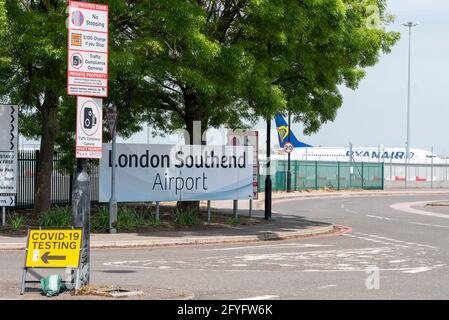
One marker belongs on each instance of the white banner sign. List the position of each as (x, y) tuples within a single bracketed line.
[(89, 127), (177, 173), (8, 153)]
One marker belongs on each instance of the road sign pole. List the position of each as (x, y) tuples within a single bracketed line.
[(268, 183), (3, 216), (289, 173), (113, 201), (81, 215)]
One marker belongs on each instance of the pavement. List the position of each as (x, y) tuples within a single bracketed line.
[(282, 227), (277, 229)]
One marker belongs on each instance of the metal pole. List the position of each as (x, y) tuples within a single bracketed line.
[(268, 183), (112, 228), (209, 216), (350, 165), (3, 216), (158, 210), (81, 215), (289, 173), (407, 143), (250, 211), (235, 209), (431, 168)]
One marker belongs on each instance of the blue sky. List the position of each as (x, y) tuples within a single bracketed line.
[(375, 114)]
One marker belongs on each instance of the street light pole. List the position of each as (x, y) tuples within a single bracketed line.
[(409, 25)]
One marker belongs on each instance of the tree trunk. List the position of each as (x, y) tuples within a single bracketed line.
[(42, 193), (193, 112)]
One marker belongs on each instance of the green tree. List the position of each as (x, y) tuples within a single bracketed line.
[(224, 62), (172, 62)]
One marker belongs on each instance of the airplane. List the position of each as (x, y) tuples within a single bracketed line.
[(304, 151)]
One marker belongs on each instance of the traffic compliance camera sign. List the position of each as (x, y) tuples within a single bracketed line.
[(87, 49), (89, 127)]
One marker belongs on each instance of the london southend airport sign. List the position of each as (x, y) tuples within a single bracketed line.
[(178, 172)]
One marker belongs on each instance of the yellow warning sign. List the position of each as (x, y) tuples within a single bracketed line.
[(53, 248)]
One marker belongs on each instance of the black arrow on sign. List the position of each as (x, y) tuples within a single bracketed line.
[(12, 200), (46, 256)]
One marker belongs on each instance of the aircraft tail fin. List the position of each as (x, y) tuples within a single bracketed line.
[(284, 131)]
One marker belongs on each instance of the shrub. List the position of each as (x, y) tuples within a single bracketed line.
[(56, 217), (16, 222), (100, 220), (128, 218), (186, 217)]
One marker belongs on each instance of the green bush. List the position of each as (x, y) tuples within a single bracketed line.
[(186, 217), (129, 218), (56, 217), (16, 222), (100, 220)]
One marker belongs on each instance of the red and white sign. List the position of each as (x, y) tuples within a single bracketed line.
[(89, 127), (288, 147), (87, 49), (248, 138)]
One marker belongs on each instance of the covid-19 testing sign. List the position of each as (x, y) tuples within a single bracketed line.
[(178, 173)]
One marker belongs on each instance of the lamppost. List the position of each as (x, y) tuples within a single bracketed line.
[(409, 25)]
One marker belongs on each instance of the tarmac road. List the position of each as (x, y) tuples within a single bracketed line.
[(391, 253)]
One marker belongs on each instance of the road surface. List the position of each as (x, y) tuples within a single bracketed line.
[(397, 249)]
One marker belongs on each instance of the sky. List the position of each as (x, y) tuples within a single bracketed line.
[(375, 113)]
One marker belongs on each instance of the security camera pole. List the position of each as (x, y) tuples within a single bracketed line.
[(89, 90)]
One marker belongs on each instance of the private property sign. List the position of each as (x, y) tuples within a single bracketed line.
[(53, 248), (8, 154), (178, 172), (87, 49)]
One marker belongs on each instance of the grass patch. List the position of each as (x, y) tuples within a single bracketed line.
[(186, 217), (234, 221)]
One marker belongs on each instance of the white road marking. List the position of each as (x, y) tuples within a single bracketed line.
[(284, 245), (328, 286), (240, 265), (429, 225), (377, 217), (266, 297), (396, 241), (374, 240), (407, 207), (351, 211), (417, 270)]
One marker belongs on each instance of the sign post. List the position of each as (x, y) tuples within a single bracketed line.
[(53, 248), (8, 157), (112, 123), (87, 77)]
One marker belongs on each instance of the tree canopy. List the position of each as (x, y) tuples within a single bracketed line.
[(221, 62)]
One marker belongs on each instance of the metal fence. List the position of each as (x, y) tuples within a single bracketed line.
[(419, 175), (319, 175), (61, 181)]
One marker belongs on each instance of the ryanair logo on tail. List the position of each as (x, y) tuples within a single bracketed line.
[(283, 132)]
